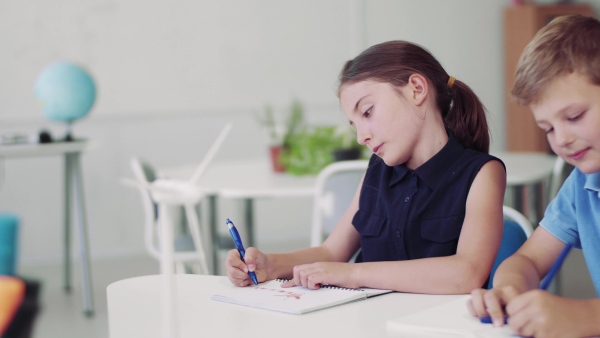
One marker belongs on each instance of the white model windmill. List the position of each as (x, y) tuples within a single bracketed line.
[(168, 192)]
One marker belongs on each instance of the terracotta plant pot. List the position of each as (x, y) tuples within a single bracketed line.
[(275, 152)]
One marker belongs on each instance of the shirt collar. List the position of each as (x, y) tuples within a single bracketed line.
[(592, 182), (432, 171)]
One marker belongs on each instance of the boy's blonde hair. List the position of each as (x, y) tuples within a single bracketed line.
[(568, 44)]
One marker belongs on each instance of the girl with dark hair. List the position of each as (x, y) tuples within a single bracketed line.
[(427, 216)]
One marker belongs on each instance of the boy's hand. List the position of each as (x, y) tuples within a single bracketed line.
[(541, 314), (491, 303), (313, 275), (237, 270)]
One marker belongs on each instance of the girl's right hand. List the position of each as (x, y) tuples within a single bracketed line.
[(237, 270)]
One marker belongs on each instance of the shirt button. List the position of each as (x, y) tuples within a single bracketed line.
[(406, 199), (398, 233)]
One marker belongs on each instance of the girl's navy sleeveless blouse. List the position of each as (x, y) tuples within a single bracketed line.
[(405, 214)]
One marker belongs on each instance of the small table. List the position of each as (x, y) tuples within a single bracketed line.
[(134, 310), (244, 180), (531, 170), (248, 180), (73, 184)]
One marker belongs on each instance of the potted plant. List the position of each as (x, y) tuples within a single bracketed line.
[(315, 147), (280, 134), (309, 150), (347, 147)]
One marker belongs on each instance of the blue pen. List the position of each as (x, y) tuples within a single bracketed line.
[(546, 282), (240, 247)]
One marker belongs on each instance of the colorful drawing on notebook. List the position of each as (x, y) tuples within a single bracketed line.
[(282, 293)]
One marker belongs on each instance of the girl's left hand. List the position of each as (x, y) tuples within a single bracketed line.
[(313, 275)]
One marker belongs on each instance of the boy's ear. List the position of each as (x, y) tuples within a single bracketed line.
[(418, 88)]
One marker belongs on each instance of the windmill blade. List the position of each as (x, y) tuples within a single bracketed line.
[(130, 182), (210, 154), (161, 188), (168, 191)]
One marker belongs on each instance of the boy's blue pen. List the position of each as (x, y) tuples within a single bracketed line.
[(555, 267), (546, 282), (240, 247)]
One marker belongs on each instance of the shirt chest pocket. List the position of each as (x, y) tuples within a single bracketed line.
[(442, 230), (368, 225)]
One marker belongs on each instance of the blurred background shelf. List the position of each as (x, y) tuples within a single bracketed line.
[(521, 23)]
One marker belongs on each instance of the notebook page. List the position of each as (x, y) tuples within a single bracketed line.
[(297, 300), (449, 319)]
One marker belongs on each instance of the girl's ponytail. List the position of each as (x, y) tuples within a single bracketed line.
[(466, 117)]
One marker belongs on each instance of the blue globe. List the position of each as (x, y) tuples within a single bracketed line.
[(66, 90)]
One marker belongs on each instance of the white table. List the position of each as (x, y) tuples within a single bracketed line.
[(73, 184), (246, 181), (523, 168), (532, 171), (134, 311)]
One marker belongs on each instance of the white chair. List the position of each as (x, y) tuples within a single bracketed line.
[(186, 254), (335, 187), (560, 172)]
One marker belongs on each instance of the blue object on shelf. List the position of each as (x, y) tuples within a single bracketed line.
[(66, 90), (9, 229)]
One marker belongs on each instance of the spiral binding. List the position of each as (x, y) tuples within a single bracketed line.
[(326, 286)]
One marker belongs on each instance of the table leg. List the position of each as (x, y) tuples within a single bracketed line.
[(214, 234), (517, 198), (74, 162), (542, 201), (249, 216), (67, 223), (531, 203)]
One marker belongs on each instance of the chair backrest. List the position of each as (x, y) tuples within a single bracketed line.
[(144, 172), (335, 187), (560, 172), (517, 229)]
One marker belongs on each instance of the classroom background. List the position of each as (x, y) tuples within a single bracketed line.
[(169, 75)]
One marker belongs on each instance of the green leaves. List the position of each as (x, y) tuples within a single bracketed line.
[(310, 150)]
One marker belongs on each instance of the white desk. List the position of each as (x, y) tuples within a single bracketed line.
[(523, 168), (531, 171), (73, 184), (246, 181), (134, 311), (251, 179)]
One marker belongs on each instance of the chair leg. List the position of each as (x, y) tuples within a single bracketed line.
[(194, 224)]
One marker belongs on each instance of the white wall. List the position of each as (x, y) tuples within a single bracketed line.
[(464, 35), (170, 74)]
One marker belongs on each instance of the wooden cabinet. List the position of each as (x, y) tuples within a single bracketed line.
[(521, 23)]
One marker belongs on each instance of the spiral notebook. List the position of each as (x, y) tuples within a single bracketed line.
[(451, 319), (296, 300)]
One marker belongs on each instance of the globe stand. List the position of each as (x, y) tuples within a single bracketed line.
[(69, 134)]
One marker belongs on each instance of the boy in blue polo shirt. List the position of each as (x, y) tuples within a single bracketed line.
[(558, 77)]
